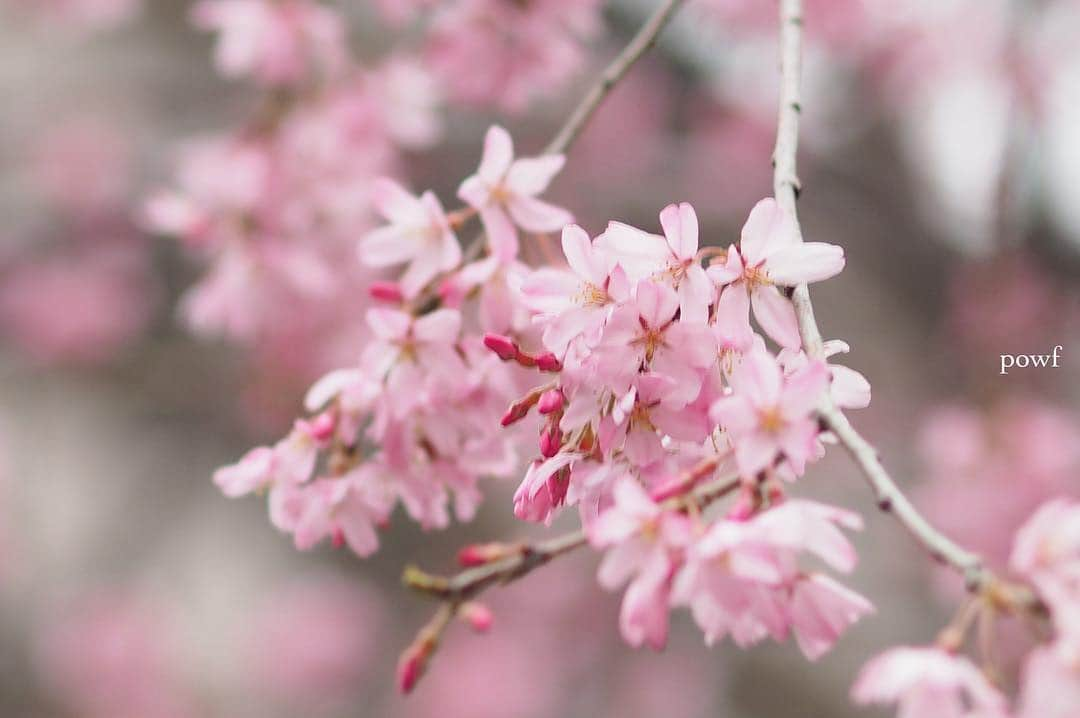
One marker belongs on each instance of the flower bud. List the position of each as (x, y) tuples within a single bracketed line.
[(386, 292), (548, 362), (503, 346), (551, 400), (550, 440), (477, 615)]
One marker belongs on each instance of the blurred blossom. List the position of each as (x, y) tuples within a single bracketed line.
[(99, 300), (111, 654), (507, 54), (83, 166), (312, 644), (1008, 304), (276, 42), (1023, 448)]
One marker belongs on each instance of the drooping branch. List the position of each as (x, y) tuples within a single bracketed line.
[(455, 592), (524, 558), (786, 188)]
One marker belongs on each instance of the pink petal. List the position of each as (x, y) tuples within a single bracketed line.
[(498, 154), (805, 263), (441, 326), (475, 192), (502, 237), (396, 204), (821, 610), (639, 253), (767, 229), (531, 176), (732, 324), (680, 225), (586, 262), (387, 246), (535, 215), (758, 378), (389, 324), (776, 315), (696, 293), (803, 390), (656, 303)]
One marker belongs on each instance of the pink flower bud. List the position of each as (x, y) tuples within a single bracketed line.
[(411, 665), (322, 427), (551, 400), (386, 292), (478, 554), (550, 441), (548, 362), (503, 346), (520, 408), (557, 486), (477, 615)]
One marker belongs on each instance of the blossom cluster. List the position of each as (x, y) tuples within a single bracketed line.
[(649, 365), (938, 681), (417, 419), (506, 54)]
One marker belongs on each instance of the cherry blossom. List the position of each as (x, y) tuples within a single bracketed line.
[(419, 233), (277, 43), (770, 255), (768, 415), (742, 578), (644, 542), (504, 192), (928, 682)]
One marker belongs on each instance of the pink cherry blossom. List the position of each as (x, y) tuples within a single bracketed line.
[(644, 541), (290, 461), (928, 682), (673, 258), (277, 43), (575, 303), (345, 509), (1047, 552), (1051, 685), (770, 255), (419, 233), (504, 191), (742, 578), (508, 54), (770, 416), (848, 388), (644, 333)]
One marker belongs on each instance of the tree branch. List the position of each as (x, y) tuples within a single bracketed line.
[(455, 592), (786, 188)]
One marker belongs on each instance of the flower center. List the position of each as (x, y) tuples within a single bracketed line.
[(771, 420), (591, 295)]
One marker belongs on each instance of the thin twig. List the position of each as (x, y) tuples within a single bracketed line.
[(454, 592), (468, 584), (786, 188)]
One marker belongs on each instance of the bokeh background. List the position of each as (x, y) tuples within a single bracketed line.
[(941, 149)]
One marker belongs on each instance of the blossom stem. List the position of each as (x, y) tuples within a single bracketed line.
[(456, 590), (786, 188)]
